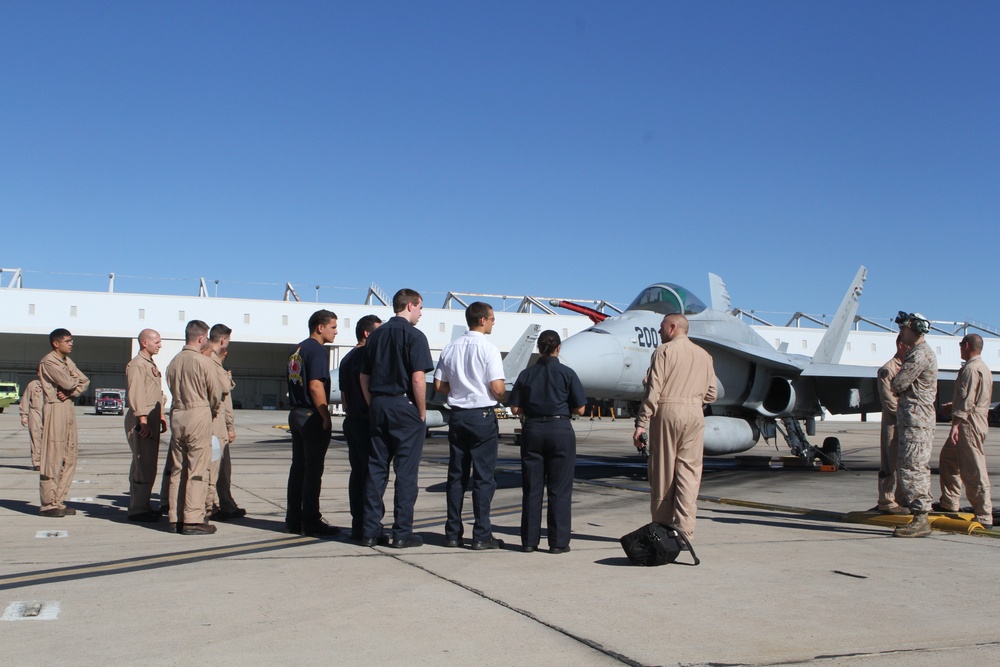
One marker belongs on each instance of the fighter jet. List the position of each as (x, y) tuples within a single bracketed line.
[(761, 390)]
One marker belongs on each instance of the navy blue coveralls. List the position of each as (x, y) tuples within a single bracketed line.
[(357, 432), (393, 353), (546, 393)]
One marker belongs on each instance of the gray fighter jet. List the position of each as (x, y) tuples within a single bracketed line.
[(761, 390)]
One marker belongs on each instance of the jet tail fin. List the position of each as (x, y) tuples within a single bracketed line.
[(520, 354), (831, 348), (720, 297)]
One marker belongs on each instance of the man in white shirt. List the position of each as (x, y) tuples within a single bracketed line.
[(470, 372)]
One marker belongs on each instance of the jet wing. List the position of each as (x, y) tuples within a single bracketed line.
[(752, 353)]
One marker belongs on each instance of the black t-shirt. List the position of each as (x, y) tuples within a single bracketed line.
[(394, 352), (350, 383), (547, 389), (309, 361)]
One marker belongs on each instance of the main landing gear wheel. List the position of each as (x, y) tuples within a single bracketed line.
[(831, 452)]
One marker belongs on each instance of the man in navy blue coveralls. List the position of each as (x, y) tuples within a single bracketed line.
[(394, 381)]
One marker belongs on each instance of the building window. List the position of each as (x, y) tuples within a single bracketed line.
[(874, 348), (72, 311), (180, 315), (848, 346), (777, 343), (284, 320), (805, 345), (246, 318), (441, 327), (31, 309), (142, 313)]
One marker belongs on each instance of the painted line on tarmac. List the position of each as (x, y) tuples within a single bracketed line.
[(141, 563), (589, 643)]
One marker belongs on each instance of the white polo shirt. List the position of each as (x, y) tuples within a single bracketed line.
[(468, 364)]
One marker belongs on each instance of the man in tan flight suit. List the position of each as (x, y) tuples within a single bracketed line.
[(222, 429), (144, 422), (196, 399), (62, 382), (227, 507), (32, 402), (680, 380), (962, 459), (889, 441)]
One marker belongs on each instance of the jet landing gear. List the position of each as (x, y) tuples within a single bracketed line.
[(829, 454)]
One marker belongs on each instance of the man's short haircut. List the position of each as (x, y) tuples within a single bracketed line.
[(366, 325), (59, 334), (476, 311), (404, 297), (218, 332), (680, 320), (974, 341), (193, 330), (319, 318)]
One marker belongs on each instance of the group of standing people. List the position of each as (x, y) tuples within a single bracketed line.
[(196, 479), (908, 388), (384, 387)]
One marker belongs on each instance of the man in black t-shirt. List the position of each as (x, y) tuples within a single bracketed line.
[(309, 423)]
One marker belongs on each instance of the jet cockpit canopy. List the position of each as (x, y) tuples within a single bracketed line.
[(668, 299)]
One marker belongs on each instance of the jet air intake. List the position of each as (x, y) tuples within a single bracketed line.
[(729, 435), (779, 400)]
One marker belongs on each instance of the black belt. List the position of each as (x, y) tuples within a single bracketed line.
[(485, 407), (380, 395), (545, 418)]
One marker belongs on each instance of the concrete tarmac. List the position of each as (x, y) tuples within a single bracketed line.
[(774, 587)]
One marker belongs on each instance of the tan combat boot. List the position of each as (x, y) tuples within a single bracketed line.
[(918, 527)]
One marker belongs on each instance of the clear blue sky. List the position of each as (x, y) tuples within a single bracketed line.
[(570, 149)]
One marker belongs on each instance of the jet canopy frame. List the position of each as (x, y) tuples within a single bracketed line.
[(668, 299)]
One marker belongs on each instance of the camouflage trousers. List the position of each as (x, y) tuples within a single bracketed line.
[(913, 471)]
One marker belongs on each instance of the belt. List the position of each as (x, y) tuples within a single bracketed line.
[(381, 395), (545, 418), (485, 407)]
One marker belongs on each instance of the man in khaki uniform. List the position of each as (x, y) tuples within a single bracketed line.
[(889, 441), (32, 402), (144, 422), (62, 382), (681, 379), (196, 399), (962, 459), (222, 426), (227, 507)]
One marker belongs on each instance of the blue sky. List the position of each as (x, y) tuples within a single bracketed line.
[(561, 149)]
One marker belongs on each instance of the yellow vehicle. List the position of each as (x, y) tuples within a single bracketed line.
[(10, 394)]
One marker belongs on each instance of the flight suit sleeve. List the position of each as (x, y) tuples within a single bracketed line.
[(82, 381), (889, 401), (653, 387), (963, 402), (712, 394), (25, 404)]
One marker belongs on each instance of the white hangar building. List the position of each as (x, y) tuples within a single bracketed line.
[(105, 324)]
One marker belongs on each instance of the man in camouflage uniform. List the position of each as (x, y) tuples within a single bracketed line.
[(962, 458), (915, 385)]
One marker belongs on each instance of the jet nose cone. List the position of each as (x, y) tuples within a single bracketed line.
[(597, 359)]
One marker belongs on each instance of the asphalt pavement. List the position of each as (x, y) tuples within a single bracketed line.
[(782, 579)]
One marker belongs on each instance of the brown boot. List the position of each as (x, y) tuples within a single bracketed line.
[(198, 529), (918, 527)]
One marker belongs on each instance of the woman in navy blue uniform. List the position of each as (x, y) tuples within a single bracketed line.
[(546, 394)]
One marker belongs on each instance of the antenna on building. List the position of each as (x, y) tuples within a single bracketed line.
[(289, 290), (111, 283), (203, 289), (376, 291), (15, 281)]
